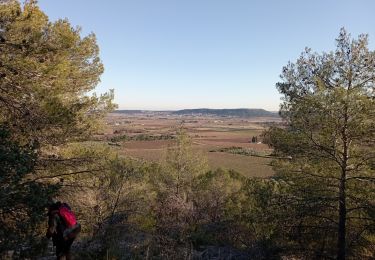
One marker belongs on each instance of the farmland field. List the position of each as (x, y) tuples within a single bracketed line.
[(148, 135)]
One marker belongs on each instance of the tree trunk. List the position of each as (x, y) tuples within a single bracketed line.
[(341, 243)]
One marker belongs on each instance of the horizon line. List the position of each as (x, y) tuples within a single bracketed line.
[(162, 110)]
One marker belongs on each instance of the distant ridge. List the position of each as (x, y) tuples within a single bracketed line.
[(236, 112), (129, 111)]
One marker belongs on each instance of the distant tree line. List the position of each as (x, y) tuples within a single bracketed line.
[(244, 151), (141, 137)]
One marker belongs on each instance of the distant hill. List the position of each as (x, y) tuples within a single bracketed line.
[(237, 112), (130, 111)]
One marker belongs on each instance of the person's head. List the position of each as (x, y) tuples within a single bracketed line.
[(54, 205)]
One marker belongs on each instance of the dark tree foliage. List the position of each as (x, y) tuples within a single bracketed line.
[(47, 74), (22, 202), (328, 146), (47, 71)]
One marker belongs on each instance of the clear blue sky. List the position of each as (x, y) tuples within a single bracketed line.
[(172, 54)]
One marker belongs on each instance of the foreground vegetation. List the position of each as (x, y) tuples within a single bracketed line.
[(318, 205)]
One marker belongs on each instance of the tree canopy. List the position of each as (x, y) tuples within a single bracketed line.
[(47, 74), (47, 71), (328, 138)]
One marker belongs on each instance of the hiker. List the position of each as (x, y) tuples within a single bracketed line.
[(63, 228)]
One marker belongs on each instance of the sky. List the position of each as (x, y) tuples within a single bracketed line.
[(176, 54)]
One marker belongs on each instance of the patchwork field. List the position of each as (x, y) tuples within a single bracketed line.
[(147, 136)]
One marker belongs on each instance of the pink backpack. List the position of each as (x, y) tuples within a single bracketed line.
[(67, 215)]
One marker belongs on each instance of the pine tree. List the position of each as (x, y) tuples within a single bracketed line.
[(47, 72), (328, 140)]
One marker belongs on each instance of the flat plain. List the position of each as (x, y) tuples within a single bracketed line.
[(147, 136)]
